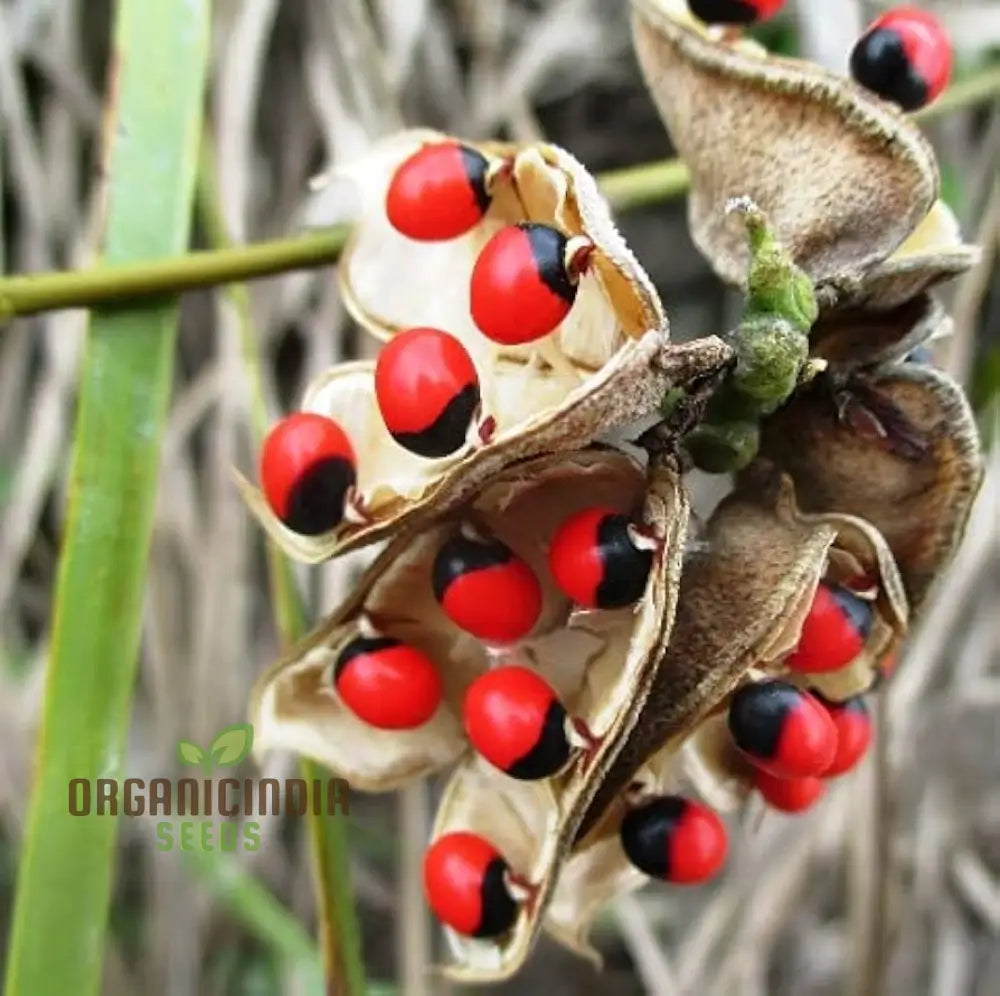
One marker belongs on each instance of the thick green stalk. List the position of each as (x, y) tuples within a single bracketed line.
[(340, 936), (65, 874)]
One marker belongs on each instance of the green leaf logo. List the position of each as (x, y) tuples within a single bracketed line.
[(231, 745), (189, 753)]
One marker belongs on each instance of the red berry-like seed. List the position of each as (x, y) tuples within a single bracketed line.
[(388, 684), (834, 631), (307, 468), (427, 391), (464, 885), (439, 192), (674, 839), (595, 562), (485, 589), (782, 729), (854, 734), (904, 56), (790, 795), (514, 720), (520, 289), (734, 11)]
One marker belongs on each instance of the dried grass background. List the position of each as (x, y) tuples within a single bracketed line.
[(900, 865)]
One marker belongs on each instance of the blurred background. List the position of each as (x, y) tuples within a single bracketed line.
[(298, 86)]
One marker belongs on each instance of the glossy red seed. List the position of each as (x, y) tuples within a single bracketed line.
[(834, 631), (520, 289), (387, 684), (735, 11), (438, 193), (485, 589), (427, 391), (594, 561), (904, 56), (675, 839), (464, 885), (782, 729), (854, 734), (307, 468), (514, 719), (790, 795)]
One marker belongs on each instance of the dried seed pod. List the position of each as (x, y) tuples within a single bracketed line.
[(398, 488), (295, 705), (608, 364), (850, 184), (897, 447), (744, 597), (600, 666)]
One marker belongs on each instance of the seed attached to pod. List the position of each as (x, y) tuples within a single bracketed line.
[(834, 631), (674, 839), (734, 11), (466, 881), (308, 469), (790, 795), (427, 391), (601, 559), (904, 56), (514, 720), (782, 729), (439, 193), (853, 723), (387, 684), (486, 589), (524, 282)]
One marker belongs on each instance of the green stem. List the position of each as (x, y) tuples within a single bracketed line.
[(626, 189), (338, 926)]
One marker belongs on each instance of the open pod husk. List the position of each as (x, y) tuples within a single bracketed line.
[(848, 182), (897, 447), (854, 338), (295, 705), (600, 665), (744, 594), (399, 489)]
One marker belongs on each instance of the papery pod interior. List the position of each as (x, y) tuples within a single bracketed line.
[(896, 446), (745, 592), (855, 338), (607, 365), (295, 704), (601, 665), (849, 183)]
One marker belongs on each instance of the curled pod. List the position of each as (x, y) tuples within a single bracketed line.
[(597, 669), (850, 186), (607, 363)]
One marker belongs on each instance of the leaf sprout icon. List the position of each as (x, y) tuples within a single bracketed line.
[(229, 747)]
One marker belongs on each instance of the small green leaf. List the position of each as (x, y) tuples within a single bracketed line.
[(189, 753), (232, 745)]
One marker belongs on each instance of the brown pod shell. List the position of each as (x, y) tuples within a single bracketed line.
[(534, 823), (536, 415), (294, 705), (745, 593), (897, 447), (848, 182)]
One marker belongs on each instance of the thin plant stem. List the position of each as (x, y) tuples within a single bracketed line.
[(629, 188)]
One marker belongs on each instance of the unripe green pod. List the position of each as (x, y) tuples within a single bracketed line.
[(770, 355)]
